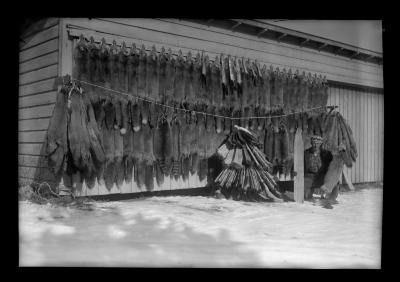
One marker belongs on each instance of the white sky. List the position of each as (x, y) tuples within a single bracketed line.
[(361, 33)]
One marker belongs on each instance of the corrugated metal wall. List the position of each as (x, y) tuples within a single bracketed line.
[(364, 113)]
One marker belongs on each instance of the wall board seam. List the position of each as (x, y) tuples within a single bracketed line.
[(41, 67), (32, 130), (34, 118), (47, 78), (41, 55), (39, 31), (38, 93), (38, 44), (35, 106)]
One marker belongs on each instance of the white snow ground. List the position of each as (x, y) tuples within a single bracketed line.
[(178, 231)]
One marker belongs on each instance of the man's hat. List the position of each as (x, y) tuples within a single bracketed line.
[(316, 138)]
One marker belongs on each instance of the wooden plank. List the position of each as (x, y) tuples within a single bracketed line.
[(373, 134), (32, 161), (31, 136), (371, 139), (66, 48), (365, 137), (349, 116), (40, 74), (36, 112), (40, 37), (335, 98), (37, 87), (39, 62), (39, 26), (215, 47), (377, 156), (381, 134), (378, 140), (33, 124), (353, 125), (332, 96), (38, 99), (30, 149), (358, 136), (342, 107), (39, 50), (361, 135), (350, 99), (299, 167)]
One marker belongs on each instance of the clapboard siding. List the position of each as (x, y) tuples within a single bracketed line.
[(36, 174), (40, 37), (39, 50), (32, 161), (364, 113), (37, 87), (40, 74), (35, 149), (39, 26), (38, 99), (39, 64), (33, 124), (31, 136), (179, 35), (36, 112)]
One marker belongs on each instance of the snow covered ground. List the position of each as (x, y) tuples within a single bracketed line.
[(185, 231)]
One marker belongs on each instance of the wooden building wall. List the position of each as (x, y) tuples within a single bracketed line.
[(38, 67), (47, 53), (185, 35), (364, 112)]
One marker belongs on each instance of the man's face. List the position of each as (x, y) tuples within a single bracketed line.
[(316, 144)]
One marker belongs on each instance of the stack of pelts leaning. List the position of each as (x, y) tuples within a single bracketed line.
[(338, 135), (145, 114), (246, 175)]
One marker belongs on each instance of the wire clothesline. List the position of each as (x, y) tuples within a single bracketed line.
[(198, 112)]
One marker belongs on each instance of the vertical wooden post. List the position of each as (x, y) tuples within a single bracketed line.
[(299, 167)]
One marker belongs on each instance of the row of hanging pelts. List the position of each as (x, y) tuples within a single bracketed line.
[(161, 141), (105, 140), (226, 83)]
